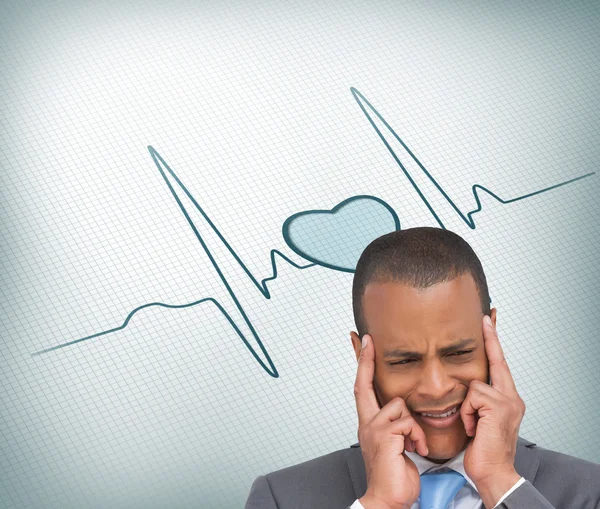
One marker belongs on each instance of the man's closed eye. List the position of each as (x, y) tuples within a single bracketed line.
[(405, 361)]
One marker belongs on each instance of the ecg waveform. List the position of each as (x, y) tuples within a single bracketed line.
[(468, 219), (255, 345)]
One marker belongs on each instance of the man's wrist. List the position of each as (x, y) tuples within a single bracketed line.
[(507, 494), (491, 489)]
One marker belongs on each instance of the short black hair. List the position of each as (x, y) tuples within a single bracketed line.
[(420, 257)]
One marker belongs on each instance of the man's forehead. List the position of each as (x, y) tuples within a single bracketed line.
[(388, 287), (389, 304)]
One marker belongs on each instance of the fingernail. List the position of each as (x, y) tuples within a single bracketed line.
[(488, 320), (365, 340)]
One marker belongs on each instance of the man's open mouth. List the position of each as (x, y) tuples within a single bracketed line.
[(443, 419), (438, 415)]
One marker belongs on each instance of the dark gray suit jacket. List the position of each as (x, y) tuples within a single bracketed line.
[(553, 480)]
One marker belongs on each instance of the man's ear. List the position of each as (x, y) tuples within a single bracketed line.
[(356, 344)]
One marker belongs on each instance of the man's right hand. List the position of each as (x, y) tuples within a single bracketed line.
[(392, 478)]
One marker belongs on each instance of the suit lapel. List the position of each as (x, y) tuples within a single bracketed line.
[(526, 464)]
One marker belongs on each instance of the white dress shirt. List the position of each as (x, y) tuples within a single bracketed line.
[(466, 498)]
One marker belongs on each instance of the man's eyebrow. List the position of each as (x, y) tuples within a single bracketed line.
[(396, 352)]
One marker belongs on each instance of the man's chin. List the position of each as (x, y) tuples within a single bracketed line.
[(441, 452)]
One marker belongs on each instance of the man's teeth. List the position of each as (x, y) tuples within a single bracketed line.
[(439, 416)]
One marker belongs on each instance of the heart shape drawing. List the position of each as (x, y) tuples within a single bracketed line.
[(336, 238)]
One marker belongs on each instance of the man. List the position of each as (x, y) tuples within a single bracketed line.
[(427, 344)]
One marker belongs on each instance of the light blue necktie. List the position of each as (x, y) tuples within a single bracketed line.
[(439, 488)]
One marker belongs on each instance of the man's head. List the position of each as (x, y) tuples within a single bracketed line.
[(423, 291)]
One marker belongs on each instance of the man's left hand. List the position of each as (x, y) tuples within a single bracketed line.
[(492, 414)]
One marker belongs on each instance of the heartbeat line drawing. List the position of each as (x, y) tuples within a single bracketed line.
[(332, 238)]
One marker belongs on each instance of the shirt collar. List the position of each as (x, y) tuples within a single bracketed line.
[(456, 463)]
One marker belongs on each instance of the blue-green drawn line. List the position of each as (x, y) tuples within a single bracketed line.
[(262, 287), (468, 218)]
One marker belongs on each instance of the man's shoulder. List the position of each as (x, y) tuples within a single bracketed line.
[(562, 479), (558, 465), (321, 465), (324, 478)]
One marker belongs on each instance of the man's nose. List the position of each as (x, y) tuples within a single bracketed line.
[(435, 384)]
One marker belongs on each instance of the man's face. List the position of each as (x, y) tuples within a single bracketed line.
[(423, 321)]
